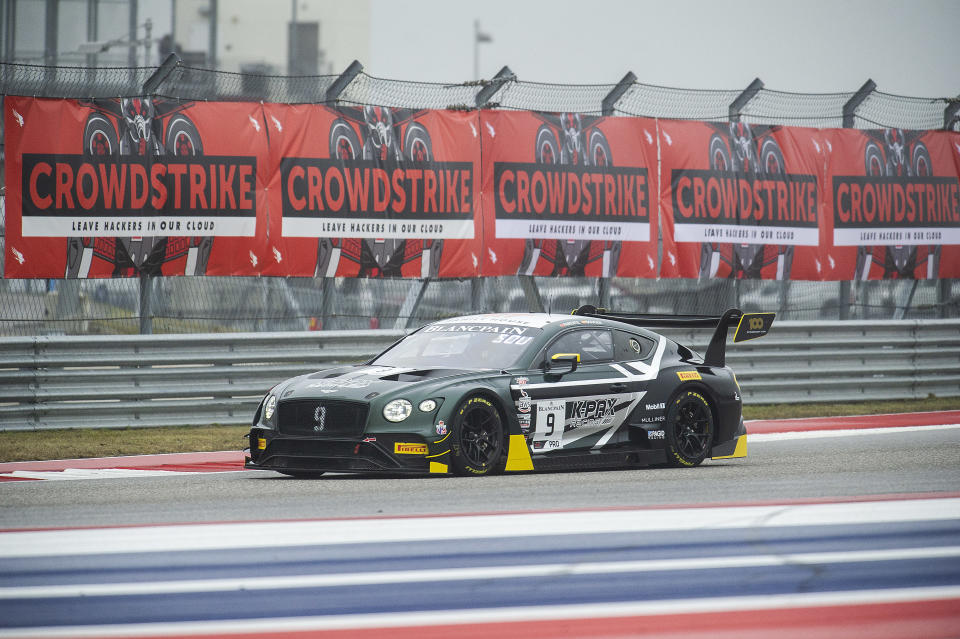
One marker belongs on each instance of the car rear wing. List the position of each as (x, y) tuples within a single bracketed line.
[(749, 326)]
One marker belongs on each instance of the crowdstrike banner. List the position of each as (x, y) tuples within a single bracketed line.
[(123, 187), (894, 205), (79, 196), (568, 194)]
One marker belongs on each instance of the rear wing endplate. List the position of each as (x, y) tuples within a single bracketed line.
[(749, 326)]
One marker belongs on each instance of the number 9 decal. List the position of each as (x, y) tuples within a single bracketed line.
[(551, 416)]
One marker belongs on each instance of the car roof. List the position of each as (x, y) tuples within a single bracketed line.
[(530, 320), (540, 320)]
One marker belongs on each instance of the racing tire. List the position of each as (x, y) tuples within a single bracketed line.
[(873, 161), (344, 142), (920, 160), (689, 427), (599, 149), (417, 146), (547, 149), (182, 137), (719, 154), (771, 158), (478, 441), (100, 136)]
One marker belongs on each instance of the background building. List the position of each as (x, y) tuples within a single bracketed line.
[(300, 37)]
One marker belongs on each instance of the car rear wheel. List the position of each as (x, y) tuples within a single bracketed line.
[(689, 429), (477, 438)]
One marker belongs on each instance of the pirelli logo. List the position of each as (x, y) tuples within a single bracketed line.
[(401, 448), (688, 376)]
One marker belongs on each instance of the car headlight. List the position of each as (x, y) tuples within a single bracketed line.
[(397, 410), (428, 405), (270, 407)]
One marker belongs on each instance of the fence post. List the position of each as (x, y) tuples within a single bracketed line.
[(406, 316), (943, 298), (734, 110), (163, 71), (741, 101), (490, 88), (850, 108), (340, 84), (146, 281), (529, 287), (476, 294), (848, 295), (950, 114), (603, 291), (146, 304), (611, 99)]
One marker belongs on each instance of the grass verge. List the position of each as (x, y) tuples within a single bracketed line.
[(109, 442)]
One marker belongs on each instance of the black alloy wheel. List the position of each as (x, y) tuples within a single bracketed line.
[(478, 433), (689, 429)]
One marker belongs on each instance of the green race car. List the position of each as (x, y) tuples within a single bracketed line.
[(490, 393)]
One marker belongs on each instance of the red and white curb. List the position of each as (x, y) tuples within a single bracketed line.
[(117, 467)]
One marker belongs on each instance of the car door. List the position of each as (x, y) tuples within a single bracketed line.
[(576, 409)]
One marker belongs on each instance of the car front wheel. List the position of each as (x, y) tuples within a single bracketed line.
[(478, 438)]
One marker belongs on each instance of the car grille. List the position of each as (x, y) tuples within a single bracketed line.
[(322, 418)]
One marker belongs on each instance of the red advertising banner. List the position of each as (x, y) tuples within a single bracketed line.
[(568, 194), (117, 188), (740, 200), (894, 206), (112, 188), (373, 192)]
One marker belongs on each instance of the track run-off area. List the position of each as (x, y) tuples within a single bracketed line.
[(839, 527)]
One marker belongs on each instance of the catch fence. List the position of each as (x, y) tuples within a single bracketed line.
[(204, 304)]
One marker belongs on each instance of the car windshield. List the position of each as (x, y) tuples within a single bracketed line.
[(454, 345)]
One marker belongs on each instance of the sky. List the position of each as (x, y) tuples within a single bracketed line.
[(807, 46)]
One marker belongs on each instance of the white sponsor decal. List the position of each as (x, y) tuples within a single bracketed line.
[(376, 229), (743, 234), (880, 236), (138, 226), (536, 229), (551, 417), (509, 319)]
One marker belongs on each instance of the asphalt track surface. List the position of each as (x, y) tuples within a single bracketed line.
[(819, 532)]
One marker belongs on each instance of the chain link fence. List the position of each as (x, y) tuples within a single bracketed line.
[(211, 304)]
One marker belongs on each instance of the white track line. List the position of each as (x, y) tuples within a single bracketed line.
[(174, 538), (853, 432), (73, 474)]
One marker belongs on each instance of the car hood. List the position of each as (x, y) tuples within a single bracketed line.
[(361, 383)]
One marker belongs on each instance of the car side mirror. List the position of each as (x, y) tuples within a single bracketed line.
[(563, 363)]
